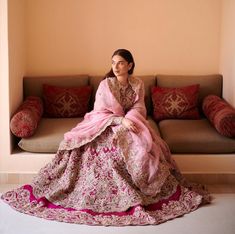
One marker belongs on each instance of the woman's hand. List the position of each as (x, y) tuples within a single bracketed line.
[(130, 125)]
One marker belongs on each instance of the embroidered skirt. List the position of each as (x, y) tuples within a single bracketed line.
[(91, 185)]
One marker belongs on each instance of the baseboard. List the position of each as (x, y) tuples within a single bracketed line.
[(24, 178), (211, 178), (16, 178)]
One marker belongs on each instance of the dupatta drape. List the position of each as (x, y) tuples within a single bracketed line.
[(141, 151)]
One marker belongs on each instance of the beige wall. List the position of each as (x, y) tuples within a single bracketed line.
[(165, 36), (17, 50), (79, 36), (12, 61), (227, 58), (4, 91)]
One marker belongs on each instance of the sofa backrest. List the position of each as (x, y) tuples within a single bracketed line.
[(149, 82), (209, 84), (32, 86), (94, 81)]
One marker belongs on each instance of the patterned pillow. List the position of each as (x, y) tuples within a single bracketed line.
[(25, 121), (61, 102), (220, 114), (175, 103)]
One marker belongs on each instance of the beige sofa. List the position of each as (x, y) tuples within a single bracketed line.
[(183, 136)]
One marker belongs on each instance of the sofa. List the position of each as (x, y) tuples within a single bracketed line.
[(183, 135)]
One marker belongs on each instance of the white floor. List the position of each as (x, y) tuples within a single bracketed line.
[(216, 218)]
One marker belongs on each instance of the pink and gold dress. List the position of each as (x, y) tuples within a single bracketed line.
[(104, 174)]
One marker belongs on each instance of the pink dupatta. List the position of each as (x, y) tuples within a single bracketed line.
[(142, 151)]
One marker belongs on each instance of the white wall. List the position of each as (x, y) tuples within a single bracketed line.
[(227, 57)]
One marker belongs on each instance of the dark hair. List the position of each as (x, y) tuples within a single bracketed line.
[(126, 54)]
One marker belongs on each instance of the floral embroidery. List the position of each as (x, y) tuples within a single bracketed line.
[(98, 181), (125, 95)]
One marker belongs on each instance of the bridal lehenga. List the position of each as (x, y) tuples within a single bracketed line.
[(104, 174)]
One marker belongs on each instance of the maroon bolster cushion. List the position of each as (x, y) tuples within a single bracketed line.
[(220, 114), (25, 121)]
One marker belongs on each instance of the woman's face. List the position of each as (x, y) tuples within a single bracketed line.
[(120, 66)]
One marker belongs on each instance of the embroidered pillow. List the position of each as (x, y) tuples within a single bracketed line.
[(220, 114), (61, 102), (175, 103), (25, 121)]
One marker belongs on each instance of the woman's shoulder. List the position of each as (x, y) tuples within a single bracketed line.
[(135, 81), (104, 82), (111, 81), (108, 79)]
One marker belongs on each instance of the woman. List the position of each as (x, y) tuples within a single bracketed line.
[(111, 169)]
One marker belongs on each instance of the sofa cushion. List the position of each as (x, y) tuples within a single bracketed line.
[(209, 84), (49, 134), (51, 131), (25, 121), (194, 136), (220, 114), (62, 102), (175, 103)]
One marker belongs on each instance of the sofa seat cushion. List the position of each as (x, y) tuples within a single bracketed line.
[(51, 131), (194, 136), (49, 134)]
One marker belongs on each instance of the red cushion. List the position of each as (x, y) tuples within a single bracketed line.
[(220, 114), (25, 121), (175, 103), (61, 102)]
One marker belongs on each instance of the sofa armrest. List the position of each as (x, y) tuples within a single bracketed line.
[(26, 119), (220, 114)]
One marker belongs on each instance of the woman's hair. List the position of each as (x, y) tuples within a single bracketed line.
[(126, 54)]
